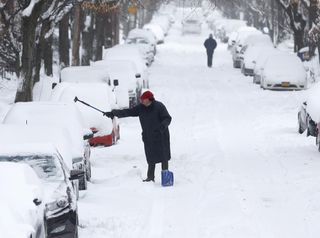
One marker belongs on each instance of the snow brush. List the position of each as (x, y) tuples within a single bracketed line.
[(76, 99)]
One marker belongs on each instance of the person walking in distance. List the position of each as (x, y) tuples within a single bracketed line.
[(210, 44), (154, 119)]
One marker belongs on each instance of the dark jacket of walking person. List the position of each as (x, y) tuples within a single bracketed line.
[(154, 119), (210, 44)]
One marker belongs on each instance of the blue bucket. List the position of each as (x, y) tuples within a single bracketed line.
[(166, 178)]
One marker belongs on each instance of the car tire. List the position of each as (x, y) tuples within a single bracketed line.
[(88, 174), (83, 183), (300, 130), (75, 232)]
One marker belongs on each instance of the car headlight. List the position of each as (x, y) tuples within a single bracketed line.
[(61, 202)]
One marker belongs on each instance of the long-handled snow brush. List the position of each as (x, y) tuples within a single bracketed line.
[(76, 99)]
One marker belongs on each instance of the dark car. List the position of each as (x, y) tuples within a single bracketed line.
[(305, 122), (61, 214)]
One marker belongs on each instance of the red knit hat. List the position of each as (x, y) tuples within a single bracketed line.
[(147, 95)]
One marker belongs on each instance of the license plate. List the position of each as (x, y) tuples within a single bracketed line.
[(285, 84)]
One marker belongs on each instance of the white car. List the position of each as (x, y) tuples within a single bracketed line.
[(57, 114), (130, 83), (60, 203), (240, 38), (144, 34), (156, 30), (144, 46), (21, 202), (250, 57), (120, 53), (283, 71), (56, 135), (191, 25), (96, 94)]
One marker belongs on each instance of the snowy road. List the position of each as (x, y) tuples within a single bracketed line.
[(241, 169)]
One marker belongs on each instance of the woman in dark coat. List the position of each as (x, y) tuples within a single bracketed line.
[(154, 119)]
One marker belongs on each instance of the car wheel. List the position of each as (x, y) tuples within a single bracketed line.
[(83, 183), (300, 129), (234, 64), (88, 174), (75, 232)]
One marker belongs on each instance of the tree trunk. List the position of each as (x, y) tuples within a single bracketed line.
[(64, 45), (29, 24), (87, 40), (76, 35), (46, 47), (98, 38), (108, 31)]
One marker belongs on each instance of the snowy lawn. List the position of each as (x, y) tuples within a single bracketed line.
[(241, 168)]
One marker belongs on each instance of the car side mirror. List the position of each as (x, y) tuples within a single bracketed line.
[(87, 136), (53, 85), (76, 174), (138, 76), (37, 201), (115, 82)]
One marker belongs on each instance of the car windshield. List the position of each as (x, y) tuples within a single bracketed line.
[(46, 167), (191, 21)]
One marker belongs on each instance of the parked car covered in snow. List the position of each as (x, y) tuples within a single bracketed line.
[(238, 43), (305, 121), (144, 46), (144, 34), (156, 30), (61, 213), (58, 136), (65, 115), (119, 53), (283, 71), (313, 109), (21, 201), (191, 25), (106, 131), (250, 57), (130, 83)]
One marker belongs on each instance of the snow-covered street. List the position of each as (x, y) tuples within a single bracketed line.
[(241, 168)]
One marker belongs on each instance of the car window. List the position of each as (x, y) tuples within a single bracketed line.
[(46, 167)]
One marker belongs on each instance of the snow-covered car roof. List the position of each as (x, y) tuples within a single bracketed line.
[(16, 149), (58, 114), (84, 74), (313, 102), (127, 53), (258, 39), (156, 30), (58, 136), (96, 94), (230, 25), (143, 33)]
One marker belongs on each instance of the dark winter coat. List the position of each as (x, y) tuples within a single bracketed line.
[(210, 44), (154, 121)]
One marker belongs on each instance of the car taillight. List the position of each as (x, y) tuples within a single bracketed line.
[(94, 130)]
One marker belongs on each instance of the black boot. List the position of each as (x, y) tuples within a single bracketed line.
[(148, 180)]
